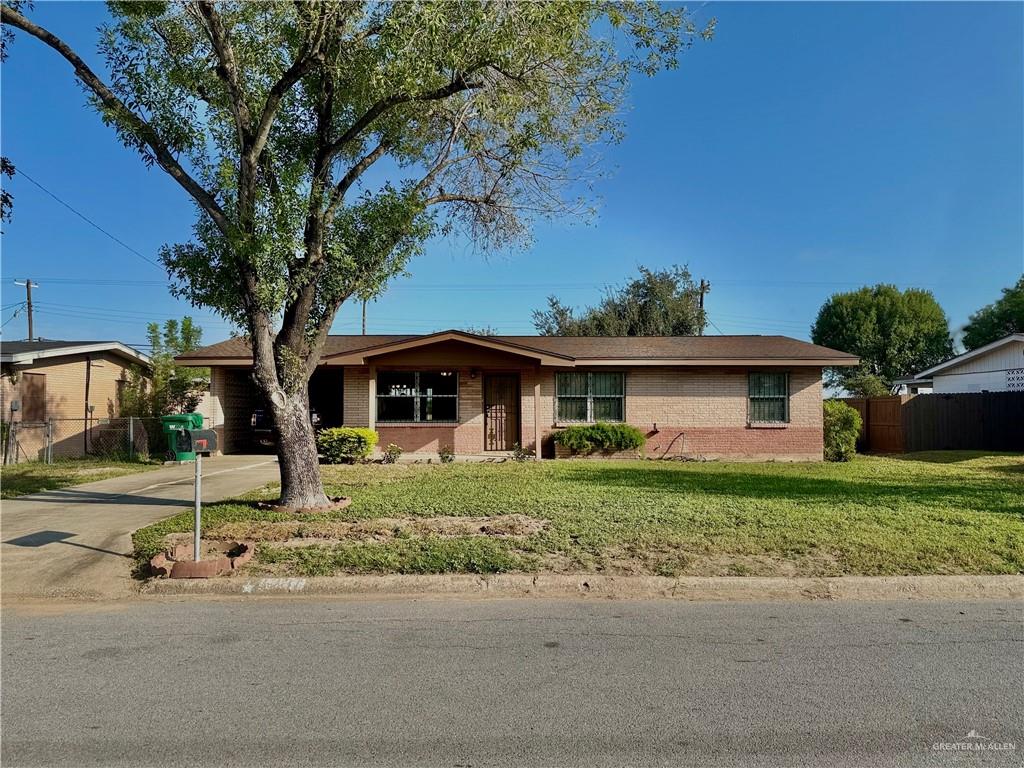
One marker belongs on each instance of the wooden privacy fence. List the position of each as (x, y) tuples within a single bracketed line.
[(982, 421)]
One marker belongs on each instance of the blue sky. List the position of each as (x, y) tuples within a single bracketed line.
[(809, 149)]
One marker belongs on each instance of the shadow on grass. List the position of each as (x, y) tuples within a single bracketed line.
[(976, 494), (951, 457)]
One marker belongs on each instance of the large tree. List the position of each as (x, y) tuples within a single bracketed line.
[(664, 302), (996, 320), (323, 143), (895, 333)]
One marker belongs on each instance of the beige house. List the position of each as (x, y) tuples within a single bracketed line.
[(73, 384), (742, 397), (994, 367)]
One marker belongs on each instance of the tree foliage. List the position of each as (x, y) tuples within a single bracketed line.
[(324, 142), (662, 302), (895, 333), (863, 384), (169, 388), (996, 320)]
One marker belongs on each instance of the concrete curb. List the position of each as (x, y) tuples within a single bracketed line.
[(710, 588)]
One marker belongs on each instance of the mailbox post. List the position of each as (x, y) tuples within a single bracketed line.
[(202, 442)]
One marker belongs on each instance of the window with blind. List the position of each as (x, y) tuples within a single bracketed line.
[(588, 397), (417, 396), (768, 398)]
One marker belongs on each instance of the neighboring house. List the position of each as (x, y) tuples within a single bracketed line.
[(912, 386), (751, 397), (995, 367), (74, 383)]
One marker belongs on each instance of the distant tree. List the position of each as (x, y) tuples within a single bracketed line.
[(863, 384), (662, 302), (895, 333), (999, 319), (483, 330), (170, 388)]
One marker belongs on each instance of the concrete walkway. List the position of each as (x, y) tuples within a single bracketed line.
[(76, 542)]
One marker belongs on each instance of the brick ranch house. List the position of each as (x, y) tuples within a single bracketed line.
[(736, 397)]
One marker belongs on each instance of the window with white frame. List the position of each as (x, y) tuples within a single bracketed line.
[(590, 396), (417, 396), (768, 398)]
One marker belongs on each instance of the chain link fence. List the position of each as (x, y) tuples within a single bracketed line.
[(126, 439)]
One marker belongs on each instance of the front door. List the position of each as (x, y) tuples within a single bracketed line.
[(501, 411)]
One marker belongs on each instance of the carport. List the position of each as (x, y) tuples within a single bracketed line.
[(236, 398)]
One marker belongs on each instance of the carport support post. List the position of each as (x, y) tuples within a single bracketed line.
[(199, 502)]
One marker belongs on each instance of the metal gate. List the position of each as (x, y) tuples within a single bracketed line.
[(501, 411)]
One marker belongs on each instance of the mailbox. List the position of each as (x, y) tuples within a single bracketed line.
[(197, 441)]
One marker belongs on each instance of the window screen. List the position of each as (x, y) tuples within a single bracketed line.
[(590, 396), (768, 397)]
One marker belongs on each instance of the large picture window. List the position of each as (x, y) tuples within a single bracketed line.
[(768, 398), (417, 396), (588, 397)]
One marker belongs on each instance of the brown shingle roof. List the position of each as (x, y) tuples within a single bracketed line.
[(590, 347)]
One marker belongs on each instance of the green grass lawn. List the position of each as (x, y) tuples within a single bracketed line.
[(32, 477), (921, 513)]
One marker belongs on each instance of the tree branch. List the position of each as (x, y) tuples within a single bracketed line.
[(350, 178), (458, 84), (305, 61), (228, 69), (142, 130)]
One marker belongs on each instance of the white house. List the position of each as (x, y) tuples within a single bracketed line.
[(995, 367)]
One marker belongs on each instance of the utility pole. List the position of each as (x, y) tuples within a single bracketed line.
[(705, 286), (364, 317), (28, 304)]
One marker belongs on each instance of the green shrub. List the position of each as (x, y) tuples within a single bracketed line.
[(344, 445), (521, 454), (602, 436), (446, 454), (842, 427), (391, 453)]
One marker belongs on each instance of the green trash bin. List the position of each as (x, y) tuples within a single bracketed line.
[(175, 423)]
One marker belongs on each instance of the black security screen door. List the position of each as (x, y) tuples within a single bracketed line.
[(501, 412)]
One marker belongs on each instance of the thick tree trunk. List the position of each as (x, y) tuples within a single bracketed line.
[(301, 486)]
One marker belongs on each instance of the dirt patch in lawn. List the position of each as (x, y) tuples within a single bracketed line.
[(298, 533)]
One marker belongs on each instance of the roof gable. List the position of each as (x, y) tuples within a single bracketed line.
[(27, 352), (955, 362), (498, 343)]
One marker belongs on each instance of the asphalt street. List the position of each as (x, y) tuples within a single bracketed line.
[(304, 682)]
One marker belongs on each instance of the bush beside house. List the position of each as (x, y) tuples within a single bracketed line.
[(842, 426), (344, 445), (603, 437)]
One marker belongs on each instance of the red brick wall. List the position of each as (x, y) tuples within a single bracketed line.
[(702, 413)]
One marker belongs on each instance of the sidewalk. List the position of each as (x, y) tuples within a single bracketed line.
[(76, 542)]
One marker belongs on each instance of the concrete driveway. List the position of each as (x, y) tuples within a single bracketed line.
[(76, 542)]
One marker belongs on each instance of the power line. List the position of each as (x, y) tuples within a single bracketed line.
[(87, 220), (16, 313)]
